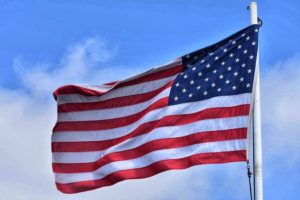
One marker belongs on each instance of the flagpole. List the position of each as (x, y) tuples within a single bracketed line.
[(257, 145)]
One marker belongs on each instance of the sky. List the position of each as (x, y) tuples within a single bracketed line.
[(46, 44)]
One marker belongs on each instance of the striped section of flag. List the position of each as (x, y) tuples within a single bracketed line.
[(131, 129)]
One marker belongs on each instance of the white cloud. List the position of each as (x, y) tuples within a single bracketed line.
[(280, 106), (82, 62)]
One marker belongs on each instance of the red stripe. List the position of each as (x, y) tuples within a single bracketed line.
[(167, 143), (172, 120), (111, 83), (113, 103), (74, 89), (152, 77), (153, 169)]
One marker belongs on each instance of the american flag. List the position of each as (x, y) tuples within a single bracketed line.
[(192, 111)]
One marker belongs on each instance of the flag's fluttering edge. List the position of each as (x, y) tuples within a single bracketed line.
[(192, 111)]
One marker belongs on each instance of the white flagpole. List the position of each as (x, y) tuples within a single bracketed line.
[(257, 146)]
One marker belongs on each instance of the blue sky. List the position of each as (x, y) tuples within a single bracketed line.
[(43, 41)]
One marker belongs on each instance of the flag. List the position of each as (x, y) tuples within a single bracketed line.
[(192, 111)]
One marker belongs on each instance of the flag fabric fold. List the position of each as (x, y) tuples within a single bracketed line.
[(192, 111)]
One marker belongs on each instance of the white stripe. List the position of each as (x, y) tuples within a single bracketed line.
[(185, 108), (150, 158), (158, 133), (119, 92), (110, 113), (97, 88)]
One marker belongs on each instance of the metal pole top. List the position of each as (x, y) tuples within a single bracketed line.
[(253, 12)]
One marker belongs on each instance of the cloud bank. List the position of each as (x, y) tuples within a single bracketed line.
[(280, 106)]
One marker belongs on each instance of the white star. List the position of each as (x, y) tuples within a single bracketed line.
[(213, 85), (243, 34), (204, 93), (208, 65), (256, 30), (245, 51), (183, 90), (211, 53), (202, 61), (185, 76), (243, 65), (200, 74), (190, 95), (235, 73), (176, 98), (215, 71), (181, 73), (223, 63), (234, 87), (242, 79), (225, 50), (240, 46), (194, 68), (253, 43), (248, 85), (221, 76), (251, 57), (237, 60), (249, 71), (229, 68), (206, 79), (216, 58), (231, 55), (219, 89), (198, 87), (192, 82), (233, 42), (227, 81), (177, 84), (248, 38)]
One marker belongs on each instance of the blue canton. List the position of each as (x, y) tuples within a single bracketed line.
[(225, 68)]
